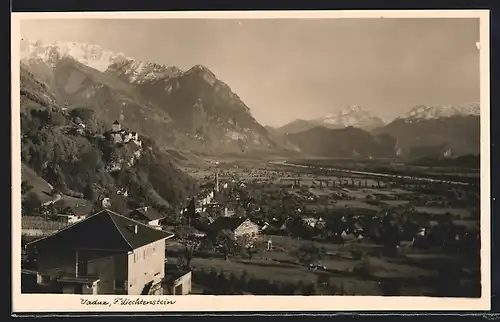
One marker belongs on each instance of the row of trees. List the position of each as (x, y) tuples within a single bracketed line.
[(221, 282), (224, 283)]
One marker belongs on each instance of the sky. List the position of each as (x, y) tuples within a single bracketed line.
[(286, 69)]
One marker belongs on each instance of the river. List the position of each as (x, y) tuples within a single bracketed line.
[(375, 174)]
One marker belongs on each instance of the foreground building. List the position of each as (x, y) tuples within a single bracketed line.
[(106, 253)]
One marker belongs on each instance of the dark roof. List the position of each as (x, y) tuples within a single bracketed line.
[(28, 272), (116, 122), (79, 207), (105, 230), (208, 185), (230, 223), (86, 280), (149, 213)]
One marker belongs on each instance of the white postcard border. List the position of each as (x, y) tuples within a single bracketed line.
[(48, 303)]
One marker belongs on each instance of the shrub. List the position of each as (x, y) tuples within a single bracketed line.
[(365, 269), (357, 254), (309, 289), (30, 203), (83, 113), (56, 118)]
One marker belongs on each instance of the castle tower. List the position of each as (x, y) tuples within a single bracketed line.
[(116, 126)]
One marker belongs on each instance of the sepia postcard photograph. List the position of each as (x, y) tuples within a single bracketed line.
[(250, 161)]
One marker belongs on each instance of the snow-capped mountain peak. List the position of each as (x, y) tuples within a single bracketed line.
[(353, 115), (140, 72), (91, 55), (424, 112)]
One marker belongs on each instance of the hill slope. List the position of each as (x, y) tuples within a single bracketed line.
[(347, 142), (73, 152)]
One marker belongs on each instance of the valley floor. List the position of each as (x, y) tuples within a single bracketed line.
[(412, 271)]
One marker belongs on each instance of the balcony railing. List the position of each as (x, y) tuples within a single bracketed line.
[(80, 279)]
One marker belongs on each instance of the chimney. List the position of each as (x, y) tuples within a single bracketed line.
[(134, 227), (146, 208)]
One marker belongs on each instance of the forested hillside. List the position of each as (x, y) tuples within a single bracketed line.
[(74, 151)]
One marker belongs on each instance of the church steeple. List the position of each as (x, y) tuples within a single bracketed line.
[(216, 182)]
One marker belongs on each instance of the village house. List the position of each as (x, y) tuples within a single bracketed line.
[(211, 212), (107, 253), (204, 200), (179, 282), (113, 166), (148, 215), (238, 226), (312, 221), (229, 211), (74, 212)]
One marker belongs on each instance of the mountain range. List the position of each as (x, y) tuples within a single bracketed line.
[(193, 110), (354, 116), (348, 142)]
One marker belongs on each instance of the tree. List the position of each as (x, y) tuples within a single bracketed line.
[(119, 204), (364, 269), (225, 243), (342, 290), (244, 280), (390, 287), (309, 254), (30, 203), (447, 282), (191, 211), (57, 118), (191, 245), (89, 192), (83, 113), (357, 254), (250, 251), (48, 211), (309, 289), (25, 187), (392, 240)]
